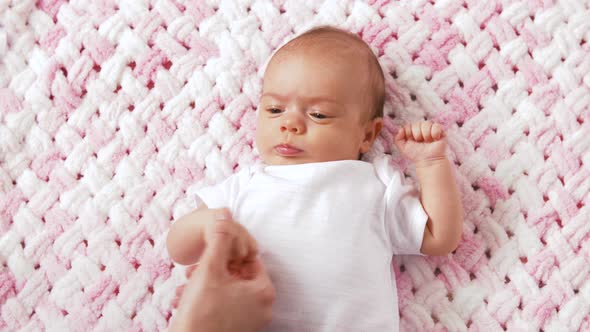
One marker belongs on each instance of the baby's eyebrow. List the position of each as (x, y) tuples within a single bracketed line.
[(273, 95), (313, 99)]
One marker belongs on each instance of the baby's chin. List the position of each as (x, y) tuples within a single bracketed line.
[(280, 160), (275, 160)]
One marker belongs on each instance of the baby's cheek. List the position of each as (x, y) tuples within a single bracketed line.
[(260, 143)]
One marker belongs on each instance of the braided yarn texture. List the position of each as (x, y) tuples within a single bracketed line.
[(112, 114)]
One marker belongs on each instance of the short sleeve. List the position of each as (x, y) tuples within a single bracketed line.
[(223, 194), (405, 218)]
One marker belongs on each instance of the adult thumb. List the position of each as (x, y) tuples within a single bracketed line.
[(218, 250)]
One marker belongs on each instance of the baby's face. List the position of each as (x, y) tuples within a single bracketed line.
[(312, 110)]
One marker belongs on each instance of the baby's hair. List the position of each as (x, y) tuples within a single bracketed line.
[(376, 86)]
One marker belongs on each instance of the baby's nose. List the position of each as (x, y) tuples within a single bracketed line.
[(292, 128), (293, 123)]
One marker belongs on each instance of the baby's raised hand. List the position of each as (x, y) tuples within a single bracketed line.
[(421, 141)]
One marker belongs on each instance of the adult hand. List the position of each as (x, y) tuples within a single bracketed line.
[(222, 297), (188, 236)]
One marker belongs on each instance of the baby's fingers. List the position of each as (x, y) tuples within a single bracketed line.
[(417, 131), (430, 131), (408, 131), (425, 128), (437, 131), (401, 134), (423, 131)]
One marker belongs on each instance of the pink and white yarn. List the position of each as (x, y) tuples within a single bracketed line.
[(112, 113)]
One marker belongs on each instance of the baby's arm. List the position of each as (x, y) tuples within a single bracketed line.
[(188, 235), (425, 145), (440, 199)]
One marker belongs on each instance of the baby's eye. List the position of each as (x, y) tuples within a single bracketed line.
[(274, 111), (318, 115)]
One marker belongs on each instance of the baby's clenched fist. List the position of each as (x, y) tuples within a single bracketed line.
[(420, 141)]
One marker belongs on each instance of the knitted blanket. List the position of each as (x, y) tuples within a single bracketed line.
[(112, 113)]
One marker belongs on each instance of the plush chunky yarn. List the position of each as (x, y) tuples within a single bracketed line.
[(112, 113)]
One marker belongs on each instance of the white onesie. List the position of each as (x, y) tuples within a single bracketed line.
[(327, 232)]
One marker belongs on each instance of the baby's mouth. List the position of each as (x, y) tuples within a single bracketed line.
[(287, 150)]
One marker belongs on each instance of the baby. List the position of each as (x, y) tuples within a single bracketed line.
[(324, 223)]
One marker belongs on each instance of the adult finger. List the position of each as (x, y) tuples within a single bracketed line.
[(241, 243), (252, 268), (248, 245), (218, 251), (261, 278), (252, 245)]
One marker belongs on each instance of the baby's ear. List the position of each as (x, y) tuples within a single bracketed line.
[(372, 130)]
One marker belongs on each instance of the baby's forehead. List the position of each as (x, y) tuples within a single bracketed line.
[(337, 70), (336, 54), (337, 45)]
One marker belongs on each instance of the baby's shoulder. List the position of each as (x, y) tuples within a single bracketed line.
[(387, 170)]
